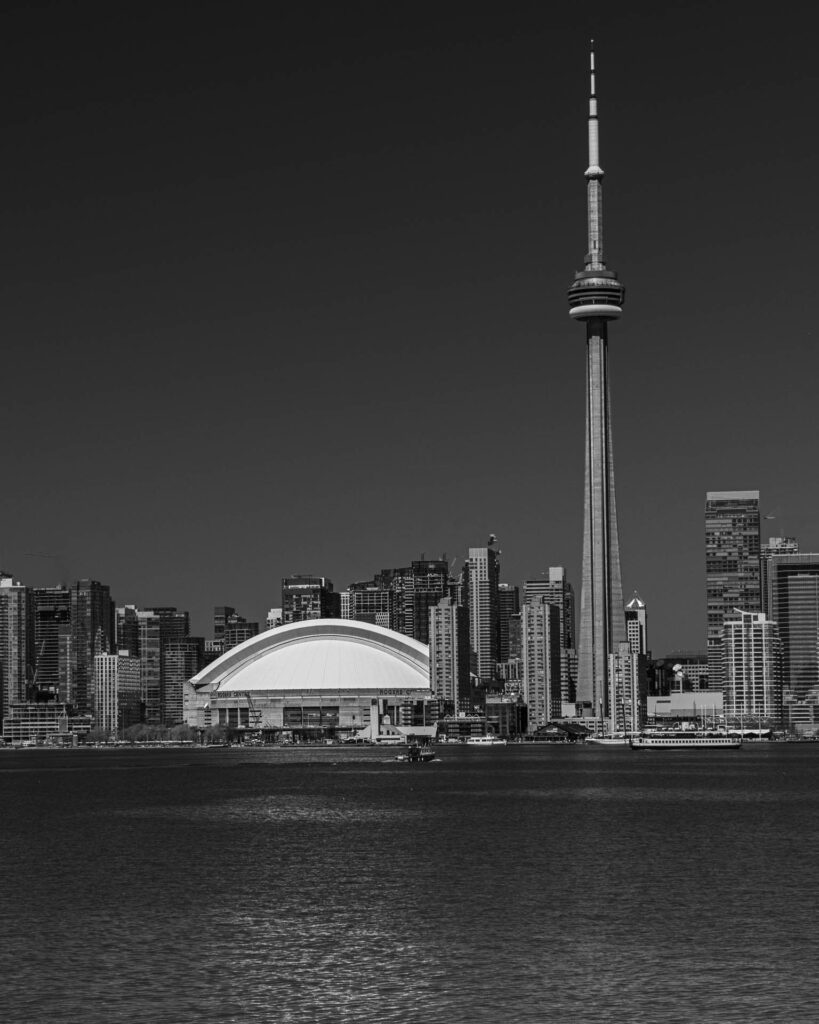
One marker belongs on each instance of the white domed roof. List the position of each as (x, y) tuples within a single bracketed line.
[(321, 654)]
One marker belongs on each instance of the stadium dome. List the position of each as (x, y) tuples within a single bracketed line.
[(330, 655)]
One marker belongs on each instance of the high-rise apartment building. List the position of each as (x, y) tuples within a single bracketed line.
[(417, 588), (449, 653), (636, 632), (595, 298), (628, 690), (556, 590), (540, 658), (753, 668), (51, 608), (183, 659), (372, 601), (237, 630), (508, 607), (16, 642), (732, 567), (222, 614), (117, 692), (793, 603), (483, 567), (309, 597), (769, 549), (145, 633), (93, 632)]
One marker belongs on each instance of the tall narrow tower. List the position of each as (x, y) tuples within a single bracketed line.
[(595, 298)]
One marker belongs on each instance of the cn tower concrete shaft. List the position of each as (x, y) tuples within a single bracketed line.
[(602, 622)]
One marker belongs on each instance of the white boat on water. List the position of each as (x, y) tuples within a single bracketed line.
[(486, 741), (608, 741), (684, 739)]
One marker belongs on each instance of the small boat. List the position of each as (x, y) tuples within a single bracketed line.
[(417, 754), (486, 741)]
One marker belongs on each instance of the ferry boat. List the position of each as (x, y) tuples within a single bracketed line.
[(682, 738), (486, 741)]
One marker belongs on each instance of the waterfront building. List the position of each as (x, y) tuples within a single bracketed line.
[(505, 715), (16, 641), (540, 657), (556, 589), (596, 298), (93, 632), (183, 658), (45, 722), (51, 609), (145, 633), (449, 653), (753, 668), (314, 679), (628, 689), (769, 549), (309, 597), (636, 633), (793, 603), (483, 570), (732, 567), (117, 692)]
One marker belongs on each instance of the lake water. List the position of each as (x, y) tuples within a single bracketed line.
[(504, 884)]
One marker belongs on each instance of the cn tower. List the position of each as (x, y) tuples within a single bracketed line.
[(595, 298)]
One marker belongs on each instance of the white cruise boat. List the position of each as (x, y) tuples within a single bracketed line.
[(486, 741), (684, 738)]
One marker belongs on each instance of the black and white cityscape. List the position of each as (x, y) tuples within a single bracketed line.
[(409, 562), (546, 657)]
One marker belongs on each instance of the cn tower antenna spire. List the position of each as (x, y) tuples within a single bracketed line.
[(594, 177)]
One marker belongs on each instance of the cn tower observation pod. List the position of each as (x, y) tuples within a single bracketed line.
[(317, 677)]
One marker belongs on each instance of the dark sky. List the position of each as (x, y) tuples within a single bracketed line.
[(290, 295)]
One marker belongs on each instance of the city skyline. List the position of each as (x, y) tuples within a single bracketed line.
[(244, 256)]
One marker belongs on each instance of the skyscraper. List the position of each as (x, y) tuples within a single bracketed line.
[(52, 630), (484, 570), (145, 634), (508, 607), (793, 603), (449, 653), (636, 625), (16, 636), (183, 658), (540, 655), (752, 668), (773, 546), (309, 597), (732, 567), (595, 298), (93, 630), (557, 590)]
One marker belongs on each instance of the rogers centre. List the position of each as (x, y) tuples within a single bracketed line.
[(321, 678)]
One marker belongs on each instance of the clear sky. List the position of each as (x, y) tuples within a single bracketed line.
[(290, 295)]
